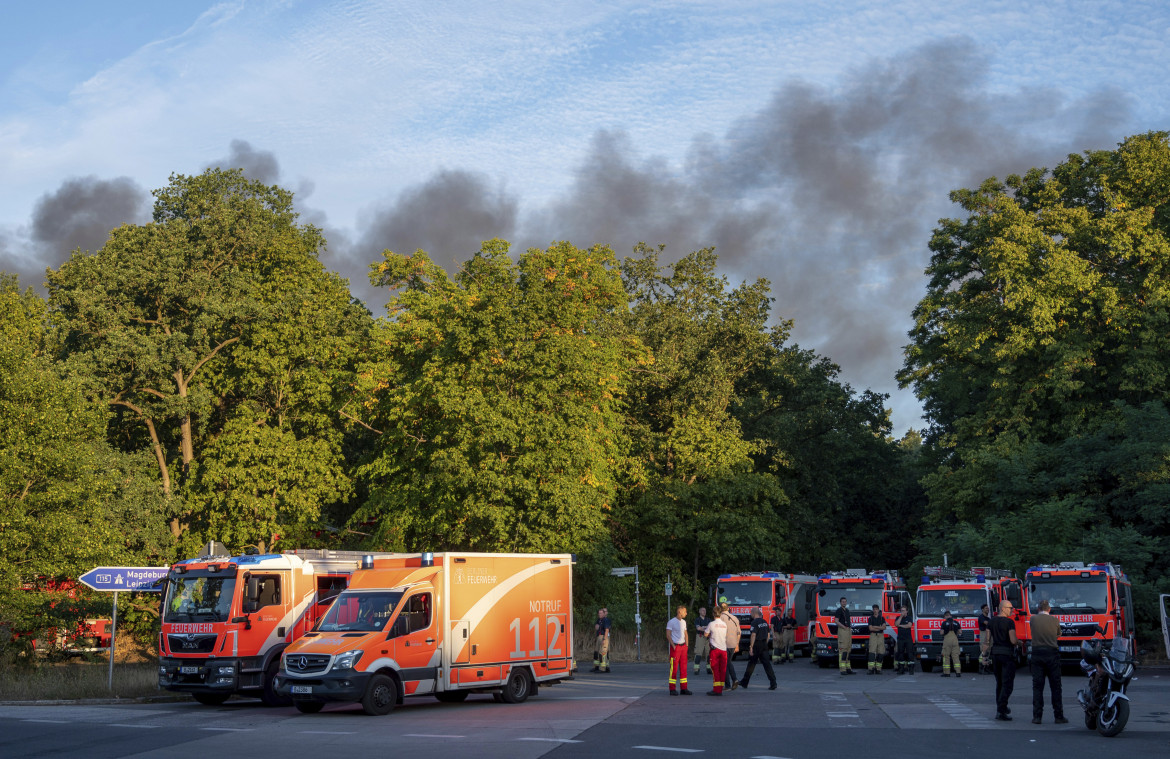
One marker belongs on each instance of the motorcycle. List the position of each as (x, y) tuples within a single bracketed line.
[(1105, 702)]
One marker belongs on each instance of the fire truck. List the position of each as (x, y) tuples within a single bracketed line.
[(440, 624), (961, 592), (862, 590), (226, 619), (773, 592), (85, 635), (1087, 599)]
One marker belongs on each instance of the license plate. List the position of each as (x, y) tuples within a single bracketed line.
[(188, 670), (859, 645), (302, 689), (1070, 649)]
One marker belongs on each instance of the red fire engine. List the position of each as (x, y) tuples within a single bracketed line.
[(773, 592), (226, 620), (961, 592), (861, 590), (86, 635), (1086, 599)]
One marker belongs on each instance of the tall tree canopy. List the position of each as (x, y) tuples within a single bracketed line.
[(223, 343), (1040, 352)]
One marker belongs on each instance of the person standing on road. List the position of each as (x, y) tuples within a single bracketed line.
[(702, 646), (785, 629), (761, 631), (902, 653), (733, 635), (1003, 659), (717, 637), (601, 650), (1046, 664), (844, 637), (877, 640), (984, 640), (950, 629), (676, 641)]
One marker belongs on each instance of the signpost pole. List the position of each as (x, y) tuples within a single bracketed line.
[(638, 610), (113, 637)]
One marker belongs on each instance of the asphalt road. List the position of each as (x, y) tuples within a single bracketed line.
[(813, 713)]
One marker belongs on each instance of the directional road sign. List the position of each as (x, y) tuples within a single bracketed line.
[(135, 579), (623, 571)]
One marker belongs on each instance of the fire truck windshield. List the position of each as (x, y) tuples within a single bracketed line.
[(360, 611), (1089, 596), (860, 599), (747, 593), (961, 602), (201, 597)]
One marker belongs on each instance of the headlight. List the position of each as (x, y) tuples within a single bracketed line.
[(229, 670), (347, 660), (1124, 671)]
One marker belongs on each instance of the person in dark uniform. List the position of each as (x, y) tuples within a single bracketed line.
[(844, 636), (1003, 659), (984, 640), (903, 657), (602, 628), (702, 645), (877, 640), (760, 631), (1046, 664), (950, 629)]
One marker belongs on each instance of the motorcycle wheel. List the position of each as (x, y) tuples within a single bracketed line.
[(1110, 722), (1090, 720)]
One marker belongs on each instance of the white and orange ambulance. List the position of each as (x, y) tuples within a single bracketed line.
[(442, 624)]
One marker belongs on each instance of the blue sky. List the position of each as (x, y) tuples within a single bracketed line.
[(812, 143)]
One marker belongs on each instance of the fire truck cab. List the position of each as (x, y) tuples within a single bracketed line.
[(226, 619), (1086, 598), (773, 592), (861, 590), (961, 592)]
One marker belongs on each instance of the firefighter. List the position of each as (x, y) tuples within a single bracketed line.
[(902, 656), (601, 651), (844, 637), (984, 640), (717, 637), (877, 640), (702, 646), (787, 637), (676, 640), (761, 633), (950, 629)]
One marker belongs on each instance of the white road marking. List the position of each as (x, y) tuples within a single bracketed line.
[(430, 735), (327, 732), (837, 706), (229, 729), (50, 721), (670, 748), (141, 727), (965, 714), (551, 740)]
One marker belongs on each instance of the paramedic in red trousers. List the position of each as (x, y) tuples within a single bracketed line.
[(717, 637), (676, 641)]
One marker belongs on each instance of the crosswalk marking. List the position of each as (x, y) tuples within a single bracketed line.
[(960, 712), (837, 707)]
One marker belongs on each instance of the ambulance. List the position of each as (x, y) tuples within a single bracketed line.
[(861, 590), (1090, 600), (226, 619), (438, 624), (773, 592), (961, 592)]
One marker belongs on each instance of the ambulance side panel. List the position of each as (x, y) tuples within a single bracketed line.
[(506, 611)]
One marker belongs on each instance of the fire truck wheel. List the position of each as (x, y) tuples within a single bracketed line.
[(309, 707), (518, 687), (269, 695), (452, 696), (381, 696), (211, 699)]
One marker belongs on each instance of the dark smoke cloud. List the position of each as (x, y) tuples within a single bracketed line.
[(831, 193), (260, 165)]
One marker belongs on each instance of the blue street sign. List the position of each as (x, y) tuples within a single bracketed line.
[(136, 579)]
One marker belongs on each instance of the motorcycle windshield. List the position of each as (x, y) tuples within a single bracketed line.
[(1120, 650)]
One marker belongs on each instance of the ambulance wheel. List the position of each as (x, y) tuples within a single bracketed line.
[(269, 695), (518, 688), (381, 696), (452, 696), (309, 707), (211, 699)]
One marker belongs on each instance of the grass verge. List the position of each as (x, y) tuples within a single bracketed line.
[(73, 680)]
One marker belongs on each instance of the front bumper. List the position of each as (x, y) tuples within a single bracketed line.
[(827, 647), (347, 686), (968, 652), (206, 675)]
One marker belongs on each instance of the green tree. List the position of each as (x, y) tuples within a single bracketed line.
[(215, 316), (496, 397)]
